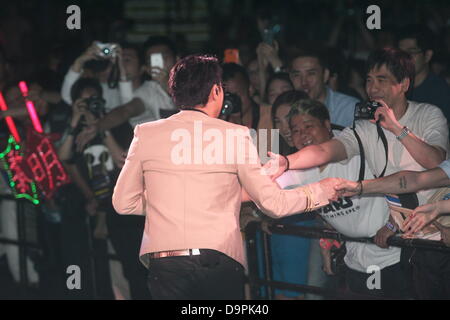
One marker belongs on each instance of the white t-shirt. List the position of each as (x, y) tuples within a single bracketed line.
[(154, 98), (354, 217), (424, 120)]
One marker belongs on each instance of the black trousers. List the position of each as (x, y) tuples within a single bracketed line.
[(211, 275), (394, 282)]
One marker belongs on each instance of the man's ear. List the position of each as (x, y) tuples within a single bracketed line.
[(405, 83), (326, 75), (428, 55), (327, 124)]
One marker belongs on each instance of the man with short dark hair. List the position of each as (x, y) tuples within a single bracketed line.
[(428, 87), (309, 73), (190, 190), (416, 133)]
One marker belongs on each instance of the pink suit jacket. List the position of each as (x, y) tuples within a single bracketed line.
[(178, 175)]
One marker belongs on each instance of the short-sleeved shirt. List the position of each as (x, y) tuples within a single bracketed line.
[(154, 98), (426, 122), (354, 217)]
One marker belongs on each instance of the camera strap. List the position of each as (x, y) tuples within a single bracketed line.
[(362, 167), (382, 136)]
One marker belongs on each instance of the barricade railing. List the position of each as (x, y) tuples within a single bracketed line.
[(256, 282)]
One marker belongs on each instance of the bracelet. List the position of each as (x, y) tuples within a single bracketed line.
[(287, 160), (391, 227), (360, 188), (403, 134)]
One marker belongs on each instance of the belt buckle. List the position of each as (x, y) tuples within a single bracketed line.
[(194, 252)]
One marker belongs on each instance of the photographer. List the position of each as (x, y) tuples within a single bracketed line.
[(149, 99), (416, 133), (236, 82), (101, 58)]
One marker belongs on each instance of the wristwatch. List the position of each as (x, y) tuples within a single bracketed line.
[(403, 134), (391, 226)]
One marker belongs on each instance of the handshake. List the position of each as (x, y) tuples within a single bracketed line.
[(335, 188)]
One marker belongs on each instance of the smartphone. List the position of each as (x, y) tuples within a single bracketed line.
[(231, 56), (156, 60)]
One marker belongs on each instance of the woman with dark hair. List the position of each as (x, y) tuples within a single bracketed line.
[(277, 85), (279, 111)]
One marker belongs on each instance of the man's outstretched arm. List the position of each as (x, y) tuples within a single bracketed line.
[(308, 157), (400, 182)]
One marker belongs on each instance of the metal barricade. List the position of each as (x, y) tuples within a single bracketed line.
[(255, 282)]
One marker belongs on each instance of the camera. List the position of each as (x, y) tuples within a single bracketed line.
[(231, 104), (96, 105), (366, 110), (107, 49)]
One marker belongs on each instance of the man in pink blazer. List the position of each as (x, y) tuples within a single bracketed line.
[(186, 173)]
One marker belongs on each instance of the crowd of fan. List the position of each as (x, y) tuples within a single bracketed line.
[(93, 107)]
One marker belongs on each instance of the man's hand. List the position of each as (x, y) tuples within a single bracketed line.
[(159, 75), (348, 188), (326, 258), (386, 118), (420, 218), (445, 233), (275, 166), (85, 136), (118, 157), (328, 186), (381, 237), (269, 53)]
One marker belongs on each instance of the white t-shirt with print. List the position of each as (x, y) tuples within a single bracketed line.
[(426, 121), (354, 217)]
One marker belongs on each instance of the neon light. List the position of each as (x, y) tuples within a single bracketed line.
[(21, 185), (9, 120), (30, 106), (43, 165)]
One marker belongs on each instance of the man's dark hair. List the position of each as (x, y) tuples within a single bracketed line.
[(192, 78), (398, 62), (159, 41), (82, 84), (422, 35), (288, 97), (230, 70), (312, 52)]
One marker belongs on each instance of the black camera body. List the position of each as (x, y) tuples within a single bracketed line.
[(231, 104), (96, 105), (366, 110)]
